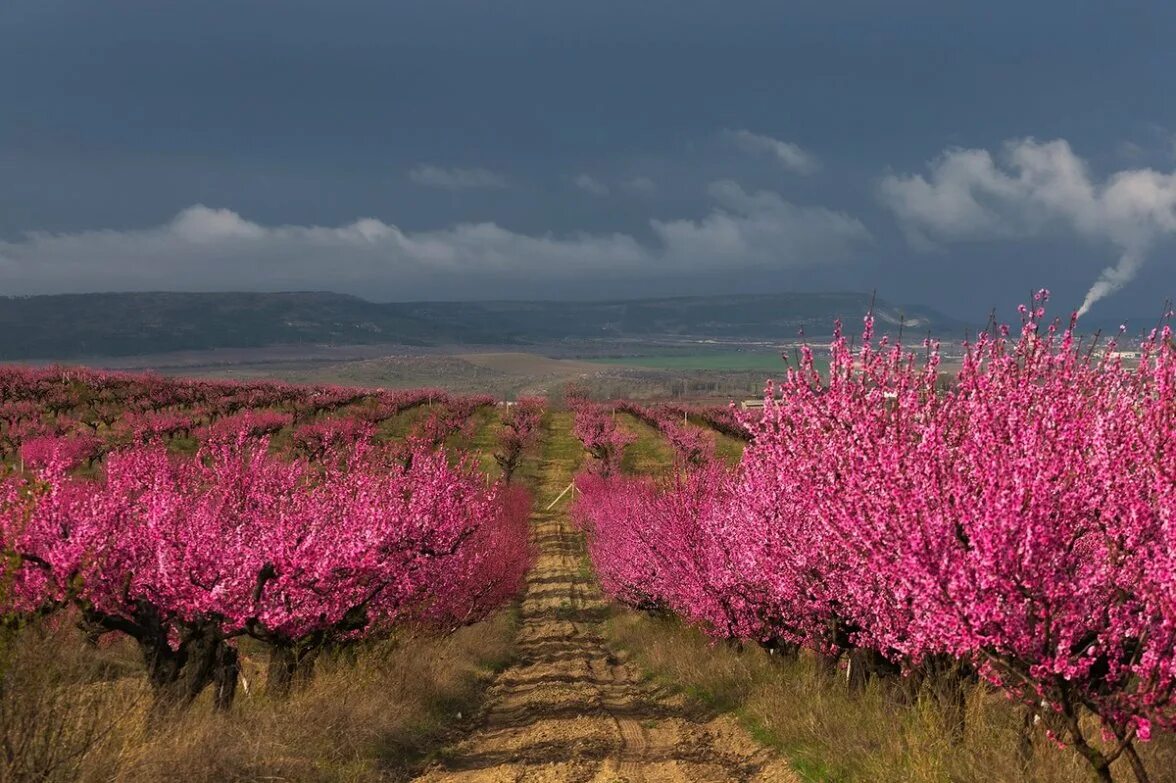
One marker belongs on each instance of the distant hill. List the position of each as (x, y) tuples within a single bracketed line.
[(127, 324)]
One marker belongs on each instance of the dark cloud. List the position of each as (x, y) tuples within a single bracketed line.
[(119, 115), (457, 178)]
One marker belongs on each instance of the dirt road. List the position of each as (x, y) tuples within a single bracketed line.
[(570, 711)]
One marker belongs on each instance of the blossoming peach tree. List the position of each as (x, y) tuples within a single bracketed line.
[(186, 554), (1017, 526)]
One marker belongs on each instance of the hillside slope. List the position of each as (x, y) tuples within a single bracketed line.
[(128, 324)]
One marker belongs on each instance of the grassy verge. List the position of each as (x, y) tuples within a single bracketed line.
[(727, 449), (562, 456), (486, 422), (832, 735)]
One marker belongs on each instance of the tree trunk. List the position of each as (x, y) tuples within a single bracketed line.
[(1025, 736), (1133, 758), (279, 673), (948, 680), (178, 676), (734, 645), (857, 670), (205, 651), (163, 670), (92, 631), (224, 678), (1097, 760), (827, 663), (1136, 763), (907, 691), (289, 666), (780, 650)]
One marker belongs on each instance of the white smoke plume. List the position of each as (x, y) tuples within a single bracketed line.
[(1034, 189), (1112, 279)]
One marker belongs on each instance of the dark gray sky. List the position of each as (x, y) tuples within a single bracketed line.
[(947, 153)]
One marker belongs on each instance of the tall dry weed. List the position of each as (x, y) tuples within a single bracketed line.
[(59, 707), (881, 734), (376, 713)]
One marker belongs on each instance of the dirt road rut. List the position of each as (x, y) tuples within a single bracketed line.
[(570, 711)]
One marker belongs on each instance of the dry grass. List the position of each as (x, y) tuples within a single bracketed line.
[(832, 735), (60, 705), (377, 715)]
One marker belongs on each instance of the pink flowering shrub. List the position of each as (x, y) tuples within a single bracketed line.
[(143, 427), (315, 440), (451, 417), (720, 418), (63, 400), (654, 546), (70, 452), (520, 429), (387, 404), (603, 440), (254, 423)]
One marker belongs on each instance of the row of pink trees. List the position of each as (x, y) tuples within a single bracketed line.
[(94, 412), (691, 445), (453, 416), (119, 408), (1019, 526), (721, 418), (99, 397), (184, 555)]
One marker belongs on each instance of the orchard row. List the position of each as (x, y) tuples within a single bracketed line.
[(1016, 526), (85, 413), (339, 538)]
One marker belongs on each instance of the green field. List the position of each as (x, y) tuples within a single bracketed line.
[(729, 360)]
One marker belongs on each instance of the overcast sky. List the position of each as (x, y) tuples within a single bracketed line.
[(951, 154)]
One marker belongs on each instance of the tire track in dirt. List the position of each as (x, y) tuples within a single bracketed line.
[(569, 710)]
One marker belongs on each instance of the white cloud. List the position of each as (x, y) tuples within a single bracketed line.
[(642, 186), (590, 184), (217, 249), (200, 224), (457, 179), (1035, 189), (787, 154), (761, 229)]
